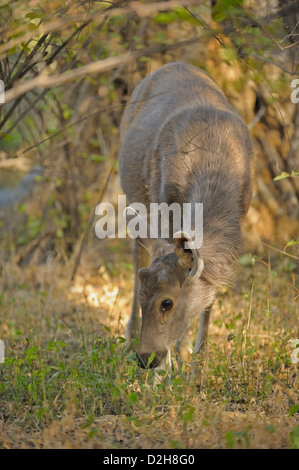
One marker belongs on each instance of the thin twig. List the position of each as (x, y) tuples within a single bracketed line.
[(101, 110), (257, 117), (247, 328), (280, 251), (91, 219), (45, 81), (107, 108), (20, 116), (259, 57), (141, 9)]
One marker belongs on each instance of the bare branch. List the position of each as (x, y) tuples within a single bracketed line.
[(45, 81), (280, 251), (141, 9)]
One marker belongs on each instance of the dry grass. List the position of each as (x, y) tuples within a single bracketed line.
[(68, 381)]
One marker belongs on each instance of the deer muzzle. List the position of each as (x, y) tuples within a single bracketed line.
[(143, 359)]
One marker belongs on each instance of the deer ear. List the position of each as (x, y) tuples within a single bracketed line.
[(143, 274), (188, 255)]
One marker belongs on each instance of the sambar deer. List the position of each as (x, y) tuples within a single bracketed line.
[(182, 142)]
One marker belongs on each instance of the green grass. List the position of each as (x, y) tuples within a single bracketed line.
[(69, 381)]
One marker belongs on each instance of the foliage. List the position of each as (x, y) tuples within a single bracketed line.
[(45, 125)]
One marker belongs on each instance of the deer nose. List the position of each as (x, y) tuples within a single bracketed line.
[(143, 359)]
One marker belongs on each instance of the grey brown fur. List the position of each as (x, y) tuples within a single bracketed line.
[(183, 142)]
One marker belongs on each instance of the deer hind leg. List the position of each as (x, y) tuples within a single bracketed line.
[(141, 259), (199, 351)]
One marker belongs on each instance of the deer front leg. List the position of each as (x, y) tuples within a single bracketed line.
[(166, 366), (183, 351), (200, 347), (141, 259)]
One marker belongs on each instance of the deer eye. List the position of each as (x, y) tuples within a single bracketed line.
[(166, 305)]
